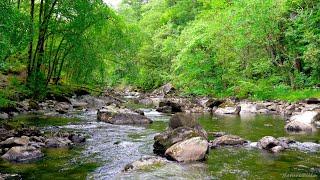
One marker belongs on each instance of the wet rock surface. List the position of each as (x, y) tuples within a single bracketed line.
[(193, 149), (227, 140), (119, 118), (22, 153), (145, 163)]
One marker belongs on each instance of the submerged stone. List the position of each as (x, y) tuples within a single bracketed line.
[(230, 140), (145, 163)]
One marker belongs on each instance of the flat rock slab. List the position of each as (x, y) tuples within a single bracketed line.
[(226, 140)]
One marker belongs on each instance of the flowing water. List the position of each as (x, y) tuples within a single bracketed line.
[(111, 147)]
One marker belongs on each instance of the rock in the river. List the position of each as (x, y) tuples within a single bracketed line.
[(298, 126), (15, 141), (305, 146), (166, 139), (307, 117), (104, 115), (228, 110), (277, 149), (145, 163), (9, 176), (57, 142), (182, 120), (267, 142), (22, 153), (62, 107), (77, 138), (33, 105), (3, 116), (193, 149), (163, 90), (231, 140), (312, 101), (5, 134), (122, 118), (127, 118), (79, 105), (248, 108), (169, 107)]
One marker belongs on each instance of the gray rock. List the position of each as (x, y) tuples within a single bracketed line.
[(145, 163), (182, 120), (228, 110), (230, 140), (169, 107), (307, 117), (77, 138), (4, 116), (305, 146), (58, 142), (267, 142), (193, 149), (5, 134), (298, 126), (277, 149), (14, 141), (62, 107), (124, 118), (22, 153), (79, 105), (166, 139)]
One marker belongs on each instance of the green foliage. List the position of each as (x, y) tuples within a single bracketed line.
[(248, 49)]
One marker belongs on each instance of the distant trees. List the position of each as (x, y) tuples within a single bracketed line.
[(242, 48)]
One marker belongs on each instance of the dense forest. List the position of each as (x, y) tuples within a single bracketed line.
[(159, 89), (249, 49)]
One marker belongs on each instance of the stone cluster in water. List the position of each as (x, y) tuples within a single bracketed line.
[(27, 144)]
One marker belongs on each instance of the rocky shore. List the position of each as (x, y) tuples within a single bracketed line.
[(184, 140)]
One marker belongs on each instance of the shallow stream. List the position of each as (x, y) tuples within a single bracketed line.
[(110, 147)]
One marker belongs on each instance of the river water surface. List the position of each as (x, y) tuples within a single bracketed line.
[(110, 147)]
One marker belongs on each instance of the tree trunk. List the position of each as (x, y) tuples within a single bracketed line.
[(30, 57)]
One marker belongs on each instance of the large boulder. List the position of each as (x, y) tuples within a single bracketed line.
[(57, 142), (230, 140), (22, 153), (15, 141), (169, 107), (267, 143), (77, 138), (192, 149), (248, 108), (182, 120), (163, 90), (307, 117), (145, 163), (228, 110), (5, 134), (166, 139), (312, 101), (298, 126), (62, 107), (4, 116), (127, 118)]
